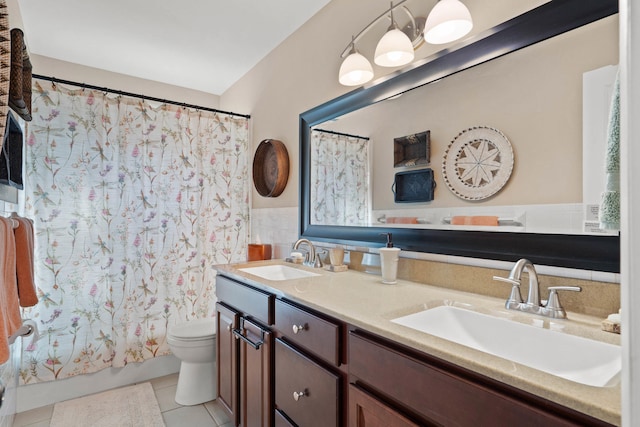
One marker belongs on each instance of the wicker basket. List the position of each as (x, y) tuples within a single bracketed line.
[(20, 81), (271, 168), (5, 66)]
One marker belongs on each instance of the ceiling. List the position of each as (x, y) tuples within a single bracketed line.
[(205, 45)]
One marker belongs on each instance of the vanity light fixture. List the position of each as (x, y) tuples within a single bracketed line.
[(448, 21), (394, 48), (355, 69)]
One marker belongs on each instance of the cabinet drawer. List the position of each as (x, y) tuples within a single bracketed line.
[(282, 421), (367, 411), (317, 390), (311, 332), (445, 395), (244, 298)]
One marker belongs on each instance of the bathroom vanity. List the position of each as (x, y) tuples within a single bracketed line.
[(329, 353)]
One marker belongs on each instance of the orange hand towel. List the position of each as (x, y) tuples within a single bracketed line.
[(10, 319), (402, 220), (24, 262), (474, 220)]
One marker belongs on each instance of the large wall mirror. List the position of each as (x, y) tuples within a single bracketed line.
[(540, 81)]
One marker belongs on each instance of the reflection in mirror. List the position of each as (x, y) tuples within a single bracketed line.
[(551, 19), (340, 190), (534, 96)]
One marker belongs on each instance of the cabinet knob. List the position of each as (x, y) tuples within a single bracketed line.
[(298, 394), (299, 328), (229, 328)]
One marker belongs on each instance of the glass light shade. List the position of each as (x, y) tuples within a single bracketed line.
[(394, 49), (449, 20), (355, 70)]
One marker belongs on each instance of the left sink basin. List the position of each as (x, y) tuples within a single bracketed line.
[(278, 272)]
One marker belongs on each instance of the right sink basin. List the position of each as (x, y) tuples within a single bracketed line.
[(578, 359)]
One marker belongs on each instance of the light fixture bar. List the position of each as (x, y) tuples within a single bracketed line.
[(448, 20), (375, 21)]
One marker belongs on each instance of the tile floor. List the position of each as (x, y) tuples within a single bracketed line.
[(209, 414)]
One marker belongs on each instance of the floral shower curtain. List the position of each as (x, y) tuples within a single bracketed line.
[(132, 206), (339, 179)]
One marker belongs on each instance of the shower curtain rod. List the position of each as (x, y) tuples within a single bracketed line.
[(135, 95), (342, 134)]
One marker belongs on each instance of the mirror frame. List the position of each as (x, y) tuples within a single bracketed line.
[(589, 252)]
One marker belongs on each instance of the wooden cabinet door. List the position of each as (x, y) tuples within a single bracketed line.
[(306, 392), (227, 357), (366, 411), (256, 397)]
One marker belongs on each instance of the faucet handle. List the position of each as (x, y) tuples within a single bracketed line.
[(515, 298), (318, 262), (553, 308), (514, 282)]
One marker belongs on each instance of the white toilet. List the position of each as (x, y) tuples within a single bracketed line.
[(194, 343)]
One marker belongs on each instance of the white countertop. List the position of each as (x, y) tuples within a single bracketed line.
[(364, 301)]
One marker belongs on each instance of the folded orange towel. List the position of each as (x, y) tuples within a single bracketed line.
[(402, 220), (474, 220), (24, 262), (10, 320)]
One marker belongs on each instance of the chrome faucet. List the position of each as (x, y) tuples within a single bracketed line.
[(311, 259), (549, 308), (533, 298)]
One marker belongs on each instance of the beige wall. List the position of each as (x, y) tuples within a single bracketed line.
[(533, 96), (302, 72), (93, 76)]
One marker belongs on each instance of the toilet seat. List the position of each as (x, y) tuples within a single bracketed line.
[(193, 330)]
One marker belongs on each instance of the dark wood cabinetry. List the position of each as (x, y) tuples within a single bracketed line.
[(305, 391), (289, 381), (227, 357), (436, 392), (256, 397), (309, 385), (366, 411), (282, 420), (283, 364), (308, 331), (245, 353)]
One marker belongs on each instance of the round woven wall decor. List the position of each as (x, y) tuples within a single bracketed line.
[(270, 168), (478, 163)]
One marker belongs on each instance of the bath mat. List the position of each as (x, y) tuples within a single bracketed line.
[(133, 406)]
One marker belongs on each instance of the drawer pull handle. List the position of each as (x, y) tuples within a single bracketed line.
[(298, 394), (256, 345), (299, 328)]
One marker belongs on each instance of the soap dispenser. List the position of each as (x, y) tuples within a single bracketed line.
[(389, 261)]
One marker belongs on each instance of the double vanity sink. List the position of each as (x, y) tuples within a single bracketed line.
[(278, 272), (582, 360), (569, 361)]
